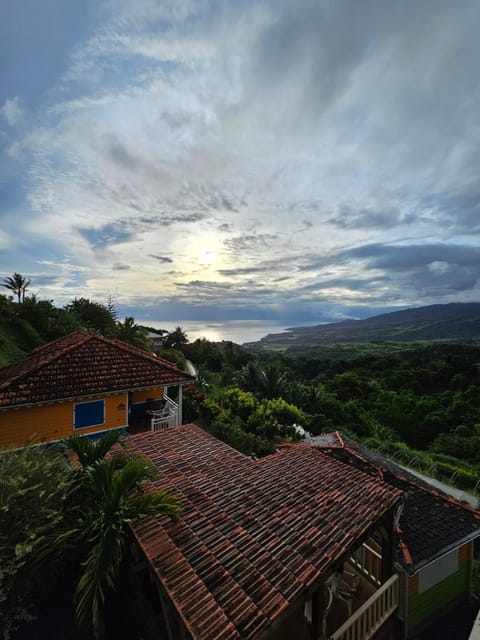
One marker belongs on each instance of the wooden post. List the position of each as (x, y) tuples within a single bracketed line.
[(387, 532), (180, 399), (315, 617)]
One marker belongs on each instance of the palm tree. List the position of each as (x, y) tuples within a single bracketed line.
[(273, 380), (268, 381), (134, 334), (175, 339), (89, 451), (18, 284), (249, 376), (108, 495)]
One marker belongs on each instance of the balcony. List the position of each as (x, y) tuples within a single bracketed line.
[(166, 417), (368, 619), (358, 603), (156, 416)]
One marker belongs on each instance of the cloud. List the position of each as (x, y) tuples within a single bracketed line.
[(320, 153), (251, 242), (241, 271), (107, 235), (13, 111), (162, 259)]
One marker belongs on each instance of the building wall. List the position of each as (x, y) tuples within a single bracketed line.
[(148, 394), (138, 401), (49, 422), (425, 605)]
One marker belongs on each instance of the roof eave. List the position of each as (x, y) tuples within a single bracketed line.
[(417, 566), (25, 405)]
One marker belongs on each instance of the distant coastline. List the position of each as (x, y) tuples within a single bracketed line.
[(238, 331)]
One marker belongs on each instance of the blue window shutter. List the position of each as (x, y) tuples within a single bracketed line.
[(89, 414)]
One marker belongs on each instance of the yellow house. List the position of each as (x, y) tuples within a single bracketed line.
[(85, 383)]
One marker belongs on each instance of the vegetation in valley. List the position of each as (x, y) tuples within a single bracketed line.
[(418, 402), (415, 402)]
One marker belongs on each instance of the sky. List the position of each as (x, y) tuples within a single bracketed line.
[(289, 161)]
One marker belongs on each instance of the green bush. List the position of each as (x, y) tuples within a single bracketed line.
[(239, 439), (33, 489)]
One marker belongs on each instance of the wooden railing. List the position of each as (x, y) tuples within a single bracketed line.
[(369, 561), (172, 405), (368, 619), (166, 417)]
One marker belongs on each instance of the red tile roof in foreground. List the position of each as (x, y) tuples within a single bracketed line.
[(432, 522), (254, 534), (83, 364)]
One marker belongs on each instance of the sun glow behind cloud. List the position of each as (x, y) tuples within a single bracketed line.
[(252, 159)]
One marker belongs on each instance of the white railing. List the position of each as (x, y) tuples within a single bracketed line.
[(171, 404), (166, 417), (369, 562), (368, 619)]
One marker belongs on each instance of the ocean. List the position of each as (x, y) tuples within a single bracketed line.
[(239, 331)]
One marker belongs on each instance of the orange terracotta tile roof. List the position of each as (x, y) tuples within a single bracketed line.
[(254, 535), (432, 522), (83, 364)]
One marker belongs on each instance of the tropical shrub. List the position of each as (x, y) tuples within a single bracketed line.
[(236, 437), (33, 490), (240, 403)]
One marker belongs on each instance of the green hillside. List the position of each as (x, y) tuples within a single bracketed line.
[(17, 339), (458, 321)]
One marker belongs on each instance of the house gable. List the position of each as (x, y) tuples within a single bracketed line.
[(432, 523), (255, 536), (82, 365), (80, 383)]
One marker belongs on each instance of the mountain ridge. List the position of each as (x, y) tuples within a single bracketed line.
[(453, 321)]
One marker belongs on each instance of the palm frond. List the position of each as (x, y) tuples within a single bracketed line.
[(100, 569), (104, 445), (109, 496), (129, 478), (91, 451), (162, 501), (82, 447)]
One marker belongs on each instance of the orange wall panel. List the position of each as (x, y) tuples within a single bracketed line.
[(148, 394), (413, 584), (44, 423), (464, 553)]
